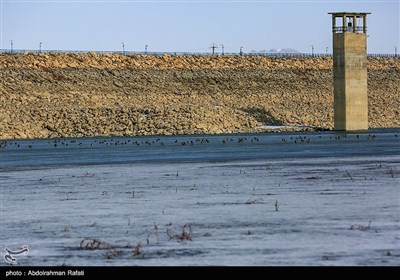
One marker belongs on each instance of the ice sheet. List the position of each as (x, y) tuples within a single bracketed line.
[(331, 210)]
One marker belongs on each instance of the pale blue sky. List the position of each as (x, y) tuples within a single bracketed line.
[(191, 26)]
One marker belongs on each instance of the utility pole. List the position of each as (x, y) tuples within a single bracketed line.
[(213, 47), (40, 47), (145, 49), (123, 48), (312, 50), (241, 51), (11, 50), (222, 46), (326, 50), (395, 51)]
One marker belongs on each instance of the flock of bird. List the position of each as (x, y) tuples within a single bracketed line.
[(63, 142)]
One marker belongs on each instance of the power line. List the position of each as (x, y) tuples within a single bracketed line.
[(213, 47)]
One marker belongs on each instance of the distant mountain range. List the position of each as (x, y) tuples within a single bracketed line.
[(284, 50)]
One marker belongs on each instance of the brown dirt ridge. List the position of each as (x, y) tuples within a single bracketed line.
[(90, 94)]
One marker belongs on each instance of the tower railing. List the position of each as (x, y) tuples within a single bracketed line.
[(343, 29)]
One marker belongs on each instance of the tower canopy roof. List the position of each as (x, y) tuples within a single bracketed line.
[(341, 14)]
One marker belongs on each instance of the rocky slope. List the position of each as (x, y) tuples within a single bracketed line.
[(74, 95)]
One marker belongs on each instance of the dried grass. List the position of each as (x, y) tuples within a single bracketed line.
[(185, 235), (254, 200), (136, 250), (360, 227), (94, 244)]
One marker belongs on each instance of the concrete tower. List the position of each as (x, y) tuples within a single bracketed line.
[(350, 70)]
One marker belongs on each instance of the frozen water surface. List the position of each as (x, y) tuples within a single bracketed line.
[(263, 199)]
